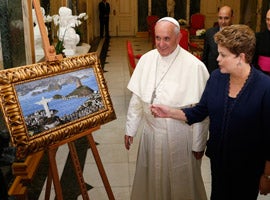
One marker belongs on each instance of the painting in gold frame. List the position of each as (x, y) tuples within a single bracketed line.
[(47, 102)]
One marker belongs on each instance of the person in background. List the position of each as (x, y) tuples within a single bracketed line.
[(104, 13), (210, 53), (169, 157), (262, 52), (236, 100)]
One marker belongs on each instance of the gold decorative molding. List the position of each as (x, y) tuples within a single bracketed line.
[(25, 141)]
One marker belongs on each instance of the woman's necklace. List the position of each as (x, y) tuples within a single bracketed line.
[(157, 84)]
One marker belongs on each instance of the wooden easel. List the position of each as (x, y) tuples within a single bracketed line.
[(25, 171), (50, 55), (53, 172)]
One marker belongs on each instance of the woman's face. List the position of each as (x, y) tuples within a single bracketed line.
[(227, 61)]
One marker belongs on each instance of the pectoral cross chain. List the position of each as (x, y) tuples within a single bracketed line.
[(153, 96)]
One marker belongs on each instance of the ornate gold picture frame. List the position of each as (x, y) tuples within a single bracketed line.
[(45, 103)]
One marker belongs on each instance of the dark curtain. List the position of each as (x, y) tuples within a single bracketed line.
[(194, 6), (5, 35), (142, 14), (46, 5), (248, 13), (180, 9), (159, 8), (12, 33)]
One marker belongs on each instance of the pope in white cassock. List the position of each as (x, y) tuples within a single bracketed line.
[(169, 157)]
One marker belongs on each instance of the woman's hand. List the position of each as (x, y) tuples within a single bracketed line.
[(163, 111), (160, 111)]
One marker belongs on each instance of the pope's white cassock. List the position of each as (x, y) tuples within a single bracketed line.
[(166, 168)]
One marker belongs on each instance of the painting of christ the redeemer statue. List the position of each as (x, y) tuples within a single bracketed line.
[(53, 102), (58, 100)]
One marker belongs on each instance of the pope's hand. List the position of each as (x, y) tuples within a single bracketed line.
[(198, 155), (128, 141)]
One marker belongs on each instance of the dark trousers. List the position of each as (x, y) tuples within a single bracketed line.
[(104, 24)]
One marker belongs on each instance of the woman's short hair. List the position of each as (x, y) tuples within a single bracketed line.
[(237, 39)]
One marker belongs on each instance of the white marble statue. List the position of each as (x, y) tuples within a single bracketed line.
[(39, 51), (71, 39), (66, 32)]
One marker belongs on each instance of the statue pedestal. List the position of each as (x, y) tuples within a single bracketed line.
[(82, 49)]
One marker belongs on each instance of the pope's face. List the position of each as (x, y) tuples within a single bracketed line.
[(166, 38)]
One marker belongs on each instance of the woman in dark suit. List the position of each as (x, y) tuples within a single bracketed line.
[(236, 99)]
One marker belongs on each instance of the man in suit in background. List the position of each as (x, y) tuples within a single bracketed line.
[(210, 53), (104, 12)]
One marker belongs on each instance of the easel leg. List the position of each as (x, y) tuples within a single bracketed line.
[(48, 185), (54, 173), (78, 170), (100, 166)]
